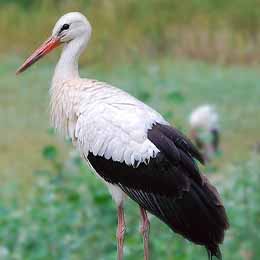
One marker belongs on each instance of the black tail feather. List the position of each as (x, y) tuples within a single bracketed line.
[(203, 216), (212, 251)]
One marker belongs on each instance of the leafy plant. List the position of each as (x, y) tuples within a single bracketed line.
[(70, 215)]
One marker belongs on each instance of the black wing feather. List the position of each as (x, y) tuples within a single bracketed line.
[(176, 148), (181, 141), (171, 187)]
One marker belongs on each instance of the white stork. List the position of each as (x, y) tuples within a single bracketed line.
[(204, 130), (130, 147)]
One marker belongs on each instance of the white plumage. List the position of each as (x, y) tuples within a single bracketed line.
[(114, 125), (204, 117), (130, 147), (98, 117), (204, 129), (105, 121)]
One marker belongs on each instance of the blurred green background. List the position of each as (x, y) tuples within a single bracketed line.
[(174, 55)]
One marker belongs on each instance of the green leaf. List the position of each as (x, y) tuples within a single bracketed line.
[(176, 96), (144, 95), (51, 131), (168, 115), (50, 152)]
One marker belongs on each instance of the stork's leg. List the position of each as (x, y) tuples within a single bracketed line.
[(209, 153), (120, 232), (145, 229)]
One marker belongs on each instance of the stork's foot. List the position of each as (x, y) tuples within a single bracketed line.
[(120, 233), (144, 230)]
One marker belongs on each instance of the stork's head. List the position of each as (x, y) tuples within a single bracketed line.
[(69, 27)]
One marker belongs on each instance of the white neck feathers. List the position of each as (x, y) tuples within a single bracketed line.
[(67, 66)]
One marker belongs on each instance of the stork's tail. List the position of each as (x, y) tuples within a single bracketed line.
[(204, 216), (196, 211), (214, 250), (220, 217)]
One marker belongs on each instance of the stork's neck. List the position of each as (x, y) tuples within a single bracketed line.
[(67, 66)]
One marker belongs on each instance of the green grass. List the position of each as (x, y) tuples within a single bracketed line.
[(53, 213), (50, 212), (70, 215), (233, 90), (205, 29)]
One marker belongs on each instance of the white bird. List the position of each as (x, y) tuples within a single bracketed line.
[(204, 130), (130, 147)]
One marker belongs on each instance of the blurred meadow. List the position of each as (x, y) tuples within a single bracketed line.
[(172, 55)]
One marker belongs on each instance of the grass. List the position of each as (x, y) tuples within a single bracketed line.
[(50, 212), (43, 212), (215, 32), (233, 90), (70, 215)]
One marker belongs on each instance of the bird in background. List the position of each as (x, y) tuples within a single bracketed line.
[(130, 147), (205, 131)]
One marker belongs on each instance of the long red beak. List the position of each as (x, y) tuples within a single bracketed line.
[(44, 49)]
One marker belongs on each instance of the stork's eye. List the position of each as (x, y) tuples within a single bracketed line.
[(64, 27)]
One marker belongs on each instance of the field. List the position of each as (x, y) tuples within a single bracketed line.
[(174, 88), (52, 210), (172, 56), (205, 29)]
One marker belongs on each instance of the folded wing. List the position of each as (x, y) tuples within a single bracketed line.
[(171, 187)]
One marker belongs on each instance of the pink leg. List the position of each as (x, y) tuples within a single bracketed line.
[(145, 229), (120, 232), (208, 153)]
